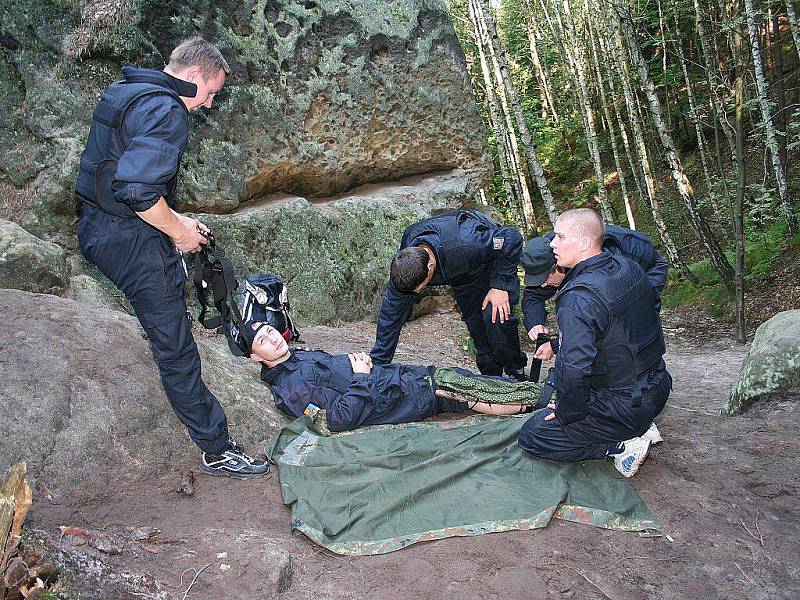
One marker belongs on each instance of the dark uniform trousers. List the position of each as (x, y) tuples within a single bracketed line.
[(143, 263), (613, 417), (496, 344)]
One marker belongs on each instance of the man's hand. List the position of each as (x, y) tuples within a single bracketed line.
[(545, 352), (189, 238), (536, 330), (552, 415), (500, 307), (361, 362)]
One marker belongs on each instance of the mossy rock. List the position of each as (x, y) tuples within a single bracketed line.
[(772, 365)]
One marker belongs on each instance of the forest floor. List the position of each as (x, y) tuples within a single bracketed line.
[(723, 489)]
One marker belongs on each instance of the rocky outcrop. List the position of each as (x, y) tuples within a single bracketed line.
[(81, 401), (333, 255), (772, 365), (30, 264), (323, 96)]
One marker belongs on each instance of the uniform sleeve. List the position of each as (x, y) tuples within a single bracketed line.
[(577, 351), (395, 311), (641, 250), (157, 132), (534, 311), (503, 271), (346, 411)]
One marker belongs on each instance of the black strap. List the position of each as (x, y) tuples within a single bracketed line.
[(548, 390)]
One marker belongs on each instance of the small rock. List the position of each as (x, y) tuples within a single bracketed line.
[(224, 567), (277, 564), (187, 484), (221, 555), (141, 534)]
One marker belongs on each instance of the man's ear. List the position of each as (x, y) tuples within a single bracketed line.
[(255, 358)]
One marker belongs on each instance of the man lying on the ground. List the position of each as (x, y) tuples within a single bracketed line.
[(355, 393)]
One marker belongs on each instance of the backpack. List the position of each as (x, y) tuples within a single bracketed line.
[(266, 299)]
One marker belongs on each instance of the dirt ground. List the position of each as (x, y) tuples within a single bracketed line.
[(724, 489)]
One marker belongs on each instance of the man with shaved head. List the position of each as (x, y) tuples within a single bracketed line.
[(610, 379)]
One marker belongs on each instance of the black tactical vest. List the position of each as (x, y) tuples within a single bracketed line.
[(106, 145), (633, 344), (459, 260)]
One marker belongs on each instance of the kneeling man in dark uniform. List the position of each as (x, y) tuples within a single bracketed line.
[(610, 378), (353, 392), (478, 258)]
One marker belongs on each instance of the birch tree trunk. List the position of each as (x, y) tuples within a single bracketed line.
[(621, 65), (498, 56), (738, 222), (780, 87), (629, 212), (507, 137), (793, 25), (621, 21), (548, 103), (766, 117), (575, 62), (693, 112)]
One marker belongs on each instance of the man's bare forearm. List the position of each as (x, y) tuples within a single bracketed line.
[(163, 218)]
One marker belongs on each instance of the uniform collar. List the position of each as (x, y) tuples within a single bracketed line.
[(269, 374), (586, 265), (179, 86)]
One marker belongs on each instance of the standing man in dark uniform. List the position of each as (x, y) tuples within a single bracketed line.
[(610, 378), (478, 258), (543, 277), (130, 230)]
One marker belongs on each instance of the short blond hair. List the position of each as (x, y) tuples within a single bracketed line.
[(198, 52), (585, 222)]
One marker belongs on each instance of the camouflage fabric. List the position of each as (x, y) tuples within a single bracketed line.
[(380, 489), (493, 391)]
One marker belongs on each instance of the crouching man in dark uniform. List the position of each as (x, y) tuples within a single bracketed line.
[(128, 227), (351, 390), (478, 258), (610, 378)]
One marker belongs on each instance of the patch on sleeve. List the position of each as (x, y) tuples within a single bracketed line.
[(498, 243)]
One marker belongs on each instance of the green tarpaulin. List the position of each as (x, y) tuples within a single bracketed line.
[(383, 488)]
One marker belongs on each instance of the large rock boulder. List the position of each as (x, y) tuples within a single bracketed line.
[(773, 364), (324, 95), (335, 255), (81, 401), (30, 264)]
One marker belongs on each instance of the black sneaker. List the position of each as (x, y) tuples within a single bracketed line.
[(233, 462)]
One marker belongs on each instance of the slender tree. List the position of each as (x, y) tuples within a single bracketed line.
[(498, 57), (548, 103), (621, 21), (793, 24), (618, 61), (740, 189), (766, 118)]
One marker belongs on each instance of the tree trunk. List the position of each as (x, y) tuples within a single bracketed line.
[(693, 112), (621, 64), (570, 48), (629, 212), (548, 104), (621, 21), (793, 25), (780, 87), (498, 56), (504, 151), (766, 117), (740, 188)]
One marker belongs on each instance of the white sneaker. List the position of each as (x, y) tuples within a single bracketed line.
[(653, 434), (633, 456)]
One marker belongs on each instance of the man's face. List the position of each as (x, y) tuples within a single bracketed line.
[(206, 89), (567, 246), (269, 344)]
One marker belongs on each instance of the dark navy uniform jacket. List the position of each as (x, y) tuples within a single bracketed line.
[(584, 323), (619, 241), (488, 247), (152, 138), (388, 394)]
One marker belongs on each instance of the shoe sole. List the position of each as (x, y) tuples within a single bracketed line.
[(218, 473)]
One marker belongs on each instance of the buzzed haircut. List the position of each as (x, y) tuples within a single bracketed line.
[(409, 269), (198, 52), (585, 222)]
